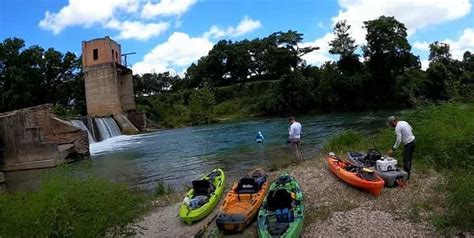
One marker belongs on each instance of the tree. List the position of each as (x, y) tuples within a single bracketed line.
[(201, 102), (439, 52), (342, 44), (35, 76), (436, 84), (387, 54)]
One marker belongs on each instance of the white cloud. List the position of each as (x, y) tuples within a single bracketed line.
[(179, 51), (166, 8), (320, 56), (414, 14), (137, 30), (457, 47), (425, 64), (421, 45), (245, 26), (463, 44), (85, 13)]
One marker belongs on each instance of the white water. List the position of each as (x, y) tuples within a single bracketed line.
[(117, 143), (107, 127), (80, 124)]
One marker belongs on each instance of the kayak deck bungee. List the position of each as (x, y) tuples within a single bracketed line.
[(203, 197), (282, 212), (241, 204), (356, 175)]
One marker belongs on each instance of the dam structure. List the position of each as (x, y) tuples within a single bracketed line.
[(109, 85)]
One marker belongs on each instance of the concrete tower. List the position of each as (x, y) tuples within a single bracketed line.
[(108, 83)]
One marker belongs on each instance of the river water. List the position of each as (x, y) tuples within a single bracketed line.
[(177, 156)]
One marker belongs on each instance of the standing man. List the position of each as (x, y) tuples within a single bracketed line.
[(294, 136), (404, 134)]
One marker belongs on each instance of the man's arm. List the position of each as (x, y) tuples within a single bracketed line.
[(398, 131), (291, 133)]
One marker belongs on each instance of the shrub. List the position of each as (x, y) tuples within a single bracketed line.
[(69, 205)]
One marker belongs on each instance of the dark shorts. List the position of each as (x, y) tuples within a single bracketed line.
[(408, 156)]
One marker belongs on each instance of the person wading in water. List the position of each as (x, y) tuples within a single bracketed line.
[(294, 137)]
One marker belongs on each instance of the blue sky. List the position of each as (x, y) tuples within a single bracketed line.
[(171, 34)]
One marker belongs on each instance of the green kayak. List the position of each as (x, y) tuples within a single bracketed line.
[(203, 197), (282, 212)]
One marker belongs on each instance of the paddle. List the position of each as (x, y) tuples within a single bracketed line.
[(204, 229), (360, 167)]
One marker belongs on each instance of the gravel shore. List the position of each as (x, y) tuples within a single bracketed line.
[(333, 209)]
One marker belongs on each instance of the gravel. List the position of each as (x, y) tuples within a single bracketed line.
[(333, 208)]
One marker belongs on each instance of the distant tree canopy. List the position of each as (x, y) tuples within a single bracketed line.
[(32, 76), (263, 76)]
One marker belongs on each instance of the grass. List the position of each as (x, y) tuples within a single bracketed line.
[(162, 189), (71, 205), (444, 142)]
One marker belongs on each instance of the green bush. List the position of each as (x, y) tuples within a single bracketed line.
[(69, 205)]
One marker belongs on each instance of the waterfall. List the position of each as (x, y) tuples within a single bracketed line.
[(80, 124), (107, 127), (98, 129), (91, 125)]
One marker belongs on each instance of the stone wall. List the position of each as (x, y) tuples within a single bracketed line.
[(34, 138), (126, 89), (138, 119), (102, 90)]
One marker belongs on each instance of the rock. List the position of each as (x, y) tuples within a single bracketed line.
[(35, 138)]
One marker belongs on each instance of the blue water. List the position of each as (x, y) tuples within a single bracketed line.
[(178, 156)]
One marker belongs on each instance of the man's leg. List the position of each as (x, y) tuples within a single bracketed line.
[(407, 157), (300, 155)]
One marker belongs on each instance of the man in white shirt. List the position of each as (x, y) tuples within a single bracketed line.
[(294, 136), (404, 134)]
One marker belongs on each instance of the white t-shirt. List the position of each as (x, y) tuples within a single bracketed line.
[(404, 133), (295, 131)]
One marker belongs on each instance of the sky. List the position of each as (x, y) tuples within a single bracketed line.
[(169, 35)]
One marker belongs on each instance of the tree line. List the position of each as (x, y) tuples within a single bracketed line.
[(263, 76)]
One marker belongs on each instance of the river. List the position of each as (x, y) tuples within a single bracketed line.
[(177, 156)]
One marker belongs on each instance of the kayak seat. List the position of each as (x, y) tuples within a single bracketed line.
[(370, 176), (277, 229), (284, 215), (279, 199), (259, 177), (202, 188), (283, 180), (247, 185)]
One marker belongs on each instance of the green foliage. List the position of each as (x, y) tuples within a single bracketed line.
[(460, 200), (200, 105), (69, 205), (343, 142), (342, 44), (32, 76)]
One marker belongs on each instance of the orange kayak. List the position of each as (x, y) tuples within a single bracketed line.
[(355, 175), (243, 201)]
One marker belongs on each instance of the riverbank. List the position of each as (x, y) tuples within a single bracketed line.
[(437, 201), (332, 208)]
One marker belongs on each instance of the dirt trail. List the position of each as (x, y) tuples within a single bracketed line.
[(333, 209)]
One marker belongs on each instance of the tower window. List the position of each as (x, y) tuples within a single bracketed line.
[(113, 55), (95, 54)]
